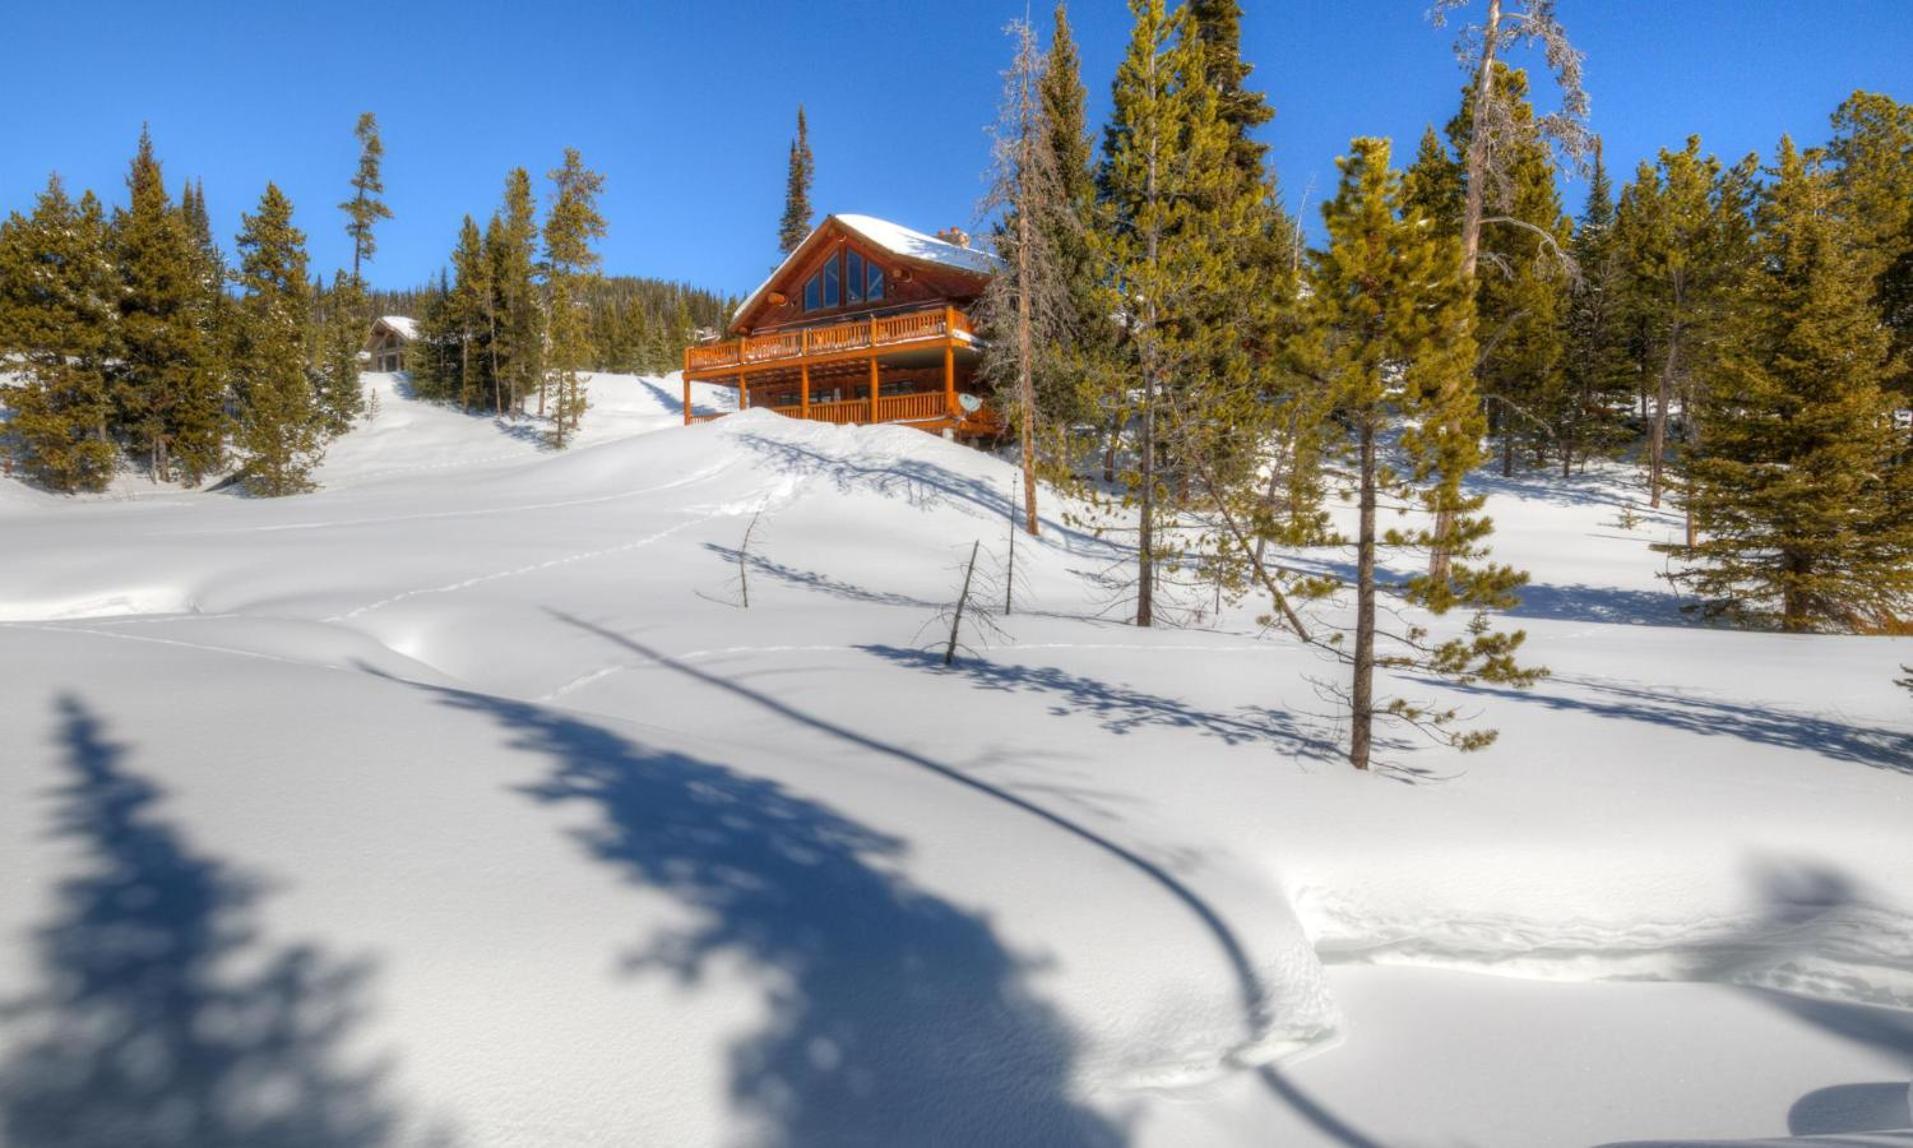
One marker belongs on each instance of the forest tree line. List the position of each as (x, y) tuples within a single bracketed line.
[(1165, 342), (130, 336)]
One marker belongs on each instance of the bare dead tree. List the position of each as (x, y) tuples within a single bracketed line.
[(1027, 304), (1496, 131)]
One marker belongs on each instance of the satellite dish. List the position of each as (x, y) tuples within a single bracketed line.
[(970, 404)]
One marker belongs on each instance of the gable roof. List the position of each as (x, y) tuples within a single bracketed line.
[(403, 326), (891, 238)]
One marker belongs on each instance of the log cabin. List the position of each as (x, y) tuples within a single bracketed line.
[(865, 322), (385, 344)]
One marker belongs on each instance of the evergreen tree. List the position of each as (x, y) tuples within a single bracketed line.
[(340, 335), (57, 325), (1872, 156), (469, 302), (1683, 229), (1802, 492), (511, 244), (1063, 365), (1433, 184), (1599, 374), (795, 226), (168, 390), (1164, 175), (281, 426), (366, 207), (1391, 344), (1217, 27), (570, 264), (1523, 277)]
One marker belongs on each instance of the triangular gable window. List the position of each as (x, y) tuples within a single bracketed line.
[(846, 280)]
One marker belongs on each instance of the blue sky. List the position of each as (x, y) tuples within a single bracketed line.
[(687, 105)]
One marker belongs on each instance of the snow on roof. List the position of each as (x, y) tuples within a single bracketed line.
[(900, 240), (897, 240), (405, 326)]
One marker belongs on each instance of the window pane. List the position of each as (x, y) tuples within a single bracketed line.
[(830, 283), (812, 294), (875, 278), (853, 278)]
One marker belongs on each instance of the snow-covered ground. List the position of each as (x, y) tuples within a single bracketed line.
[(461, 803)]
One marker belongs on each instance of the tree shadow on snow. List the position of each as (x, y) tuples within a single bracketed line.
[(167, 1020), (1810, 907), (818, 581), (896, 1017), (1120, 709), (673, 401), (947, 1041), (1713, 717)]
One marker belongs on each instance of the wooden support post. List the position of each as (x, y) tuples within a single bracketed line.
[(873, 389), (743, 391), (949, 361), (687, 386), (803, 391)]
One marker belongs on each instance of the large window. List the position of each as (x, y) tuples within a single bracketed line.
[(847, 280)]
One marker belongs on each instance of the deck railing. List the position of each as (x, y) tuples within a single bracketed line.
[(902, 408), (853, 335)]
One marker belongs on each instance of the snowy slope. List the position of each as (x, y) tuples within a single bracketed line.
[(460, 802)]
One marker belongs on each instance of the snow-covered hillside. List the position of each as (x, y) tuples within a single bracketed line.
[(461, 803)]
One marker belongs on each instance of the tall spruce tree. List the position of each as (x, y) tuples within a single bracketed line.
[(367, 205), (795, 225), (1391, 344), (469, 304), (340, 333), (511, 245), (1683, 228), (570, 265), (1600, 379), (281, 426), (1872, 156), (1802, 489), (1164, 176), (167, 386), (57, 326)]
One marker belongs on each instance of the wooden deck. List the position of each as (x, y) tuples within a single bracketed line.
[(778, 365), (837, 342)]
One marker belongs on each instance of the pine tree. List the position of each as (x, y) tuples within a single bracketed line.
[(1872, 154), (1599, 375), (168, 390), (570, 264), (469, 303), (1523, 275), (1683, 229), (1064, 365), (281, 427), (1802, 492), (340, 334), (1217, 27), (1433, 184), (511, 244), (57, 323), (1391, 344), (794, 228), (1164, 175), (366, 208)]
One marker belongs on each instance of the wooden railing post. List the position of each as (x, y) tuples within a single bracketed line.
[(949, 359)]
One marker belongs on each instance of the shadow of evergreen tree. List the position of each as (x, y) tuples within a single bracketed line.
[(896, 1017), (167, 1020)]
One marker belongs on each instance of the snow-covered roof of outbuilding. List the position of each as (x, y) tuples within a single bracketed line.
[(894, 238), (405, 326)]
